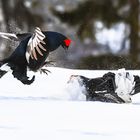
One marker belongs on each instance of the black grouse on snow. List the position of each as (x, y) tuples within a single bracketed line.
[(101, 89), (32, 52)]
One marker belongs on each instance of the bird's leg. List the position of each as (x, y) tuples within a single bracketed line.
[(45, 65), (44, 71), (48, 63)]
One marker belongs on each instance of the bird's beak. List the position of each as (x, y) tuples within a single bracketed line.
[(65, 47)]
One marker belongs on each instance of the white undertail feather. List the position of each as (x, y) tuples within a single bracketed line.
[(125, 84), (34, 45)]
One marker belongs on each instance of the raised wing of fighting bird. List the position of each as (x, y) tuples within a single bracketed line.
[(31, 53)]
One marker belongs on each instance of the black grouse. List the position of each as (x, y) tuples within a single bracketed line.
[(100, 89), (32, 52)]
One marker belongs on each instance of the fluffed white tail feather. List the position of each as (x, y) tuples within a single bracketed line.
[(125, 84)]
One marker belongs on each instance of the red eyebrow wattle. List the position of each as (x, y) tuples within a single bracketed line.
[(67, 42)]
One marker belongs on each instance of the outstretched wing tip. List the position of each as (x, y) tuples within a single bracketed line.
[(8, 36)]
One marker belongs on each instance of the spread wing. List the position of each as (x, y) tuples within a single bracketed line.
[(9, 36), (35, 45), (14, 37)]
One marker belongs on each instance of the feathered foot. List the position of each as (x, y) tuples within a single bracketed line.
[(46, 63)]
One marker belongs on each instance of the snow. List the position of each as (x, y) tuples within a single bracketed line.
[(52, 109)]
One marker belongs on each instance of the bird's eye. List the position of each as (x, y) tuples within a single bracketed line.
[(67, 42)]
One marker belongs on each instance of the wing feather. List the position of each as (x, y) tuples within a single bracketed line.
[(34, 45), (40, 46), (43, 42), (34, 54), (38, 50)]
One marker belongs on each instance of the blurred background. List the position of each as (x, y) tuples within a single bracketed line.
[(104, 33)]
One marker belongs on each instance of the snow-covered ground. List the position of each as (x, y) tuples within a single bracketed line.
[(51, 109)]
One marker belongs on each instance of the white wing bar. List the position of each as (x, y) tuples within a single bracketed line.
[(35, 45)]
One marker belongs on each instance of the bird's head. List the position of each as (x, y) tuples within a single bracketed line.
[(66, 43), (55, 39)]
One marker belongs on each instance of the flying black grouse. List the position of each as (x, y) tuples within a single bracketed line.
[(32, 52)]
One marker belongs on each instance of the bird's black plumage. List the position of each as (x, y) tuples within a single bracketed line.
[(100, 89), (32, 52)]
